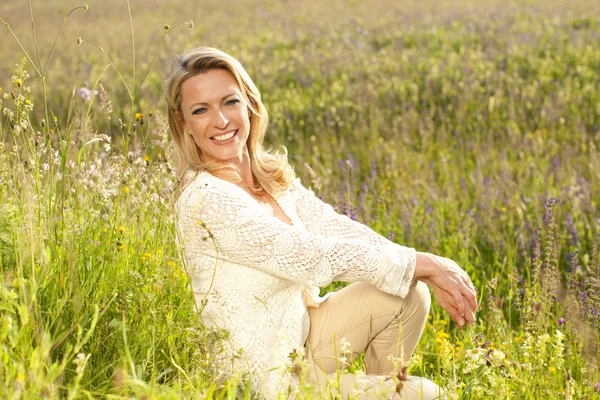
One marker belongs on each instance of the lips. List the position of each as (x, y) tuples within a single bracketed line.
[(225, 136)]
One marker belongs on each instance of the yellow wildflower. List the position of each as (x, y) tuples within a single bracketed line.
[(139, 116), (126, 190)]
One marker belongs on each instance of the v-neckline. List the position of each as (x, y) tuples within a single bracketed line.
[(257, 203)]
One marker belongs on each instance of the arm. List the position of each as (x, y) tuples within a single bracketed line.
[(450, 284), (243, 236)]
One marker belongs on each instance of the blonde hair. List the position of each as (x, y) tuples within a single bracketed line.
[(270, 169)]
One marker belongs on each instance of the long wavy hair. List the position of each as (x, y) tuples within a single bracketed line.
[(270, 169)]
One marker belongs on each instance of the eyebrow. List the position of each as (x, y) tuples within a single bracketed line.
[(222, 98)]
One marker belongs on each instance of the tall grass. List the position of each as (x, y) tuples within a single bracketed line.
[(468, 130)]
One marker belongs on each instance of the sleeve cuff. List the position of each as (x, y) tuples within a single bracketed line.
[(398, 268)]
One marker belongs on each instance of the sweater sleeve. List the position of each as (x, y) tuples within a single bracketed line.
[(222, 224)]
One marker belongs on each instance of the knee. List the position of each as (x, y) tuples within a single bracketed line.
[(420, 296)]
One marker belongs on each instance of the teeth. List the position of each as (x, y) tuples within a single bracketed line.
[(222, 138)]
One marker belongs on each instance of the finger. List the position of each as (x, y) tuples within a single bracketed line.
[(446, 301), (470, 299), (469, 314), (472, 293), (460, 304)]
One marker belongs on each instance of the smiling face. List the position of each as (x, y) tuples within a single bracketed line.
[(213, 111)]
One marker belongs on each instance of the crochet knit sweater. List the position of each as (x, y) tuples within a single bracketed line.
[(255, 275)]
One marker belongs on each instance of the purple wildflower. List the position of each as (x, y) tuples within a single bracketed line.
[(551, 202), (561, 321), (352, 214), (85, 93), (572, 231), (486, 181), (391, 235)]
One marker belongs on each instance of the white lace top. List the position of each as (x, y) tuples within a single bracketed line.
[(257, 274)]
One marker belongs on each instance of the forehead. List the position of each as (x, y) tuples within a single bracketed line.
[(208, 86)]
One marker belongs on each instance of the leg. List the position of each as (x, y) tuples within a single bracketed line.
[(382, 325)]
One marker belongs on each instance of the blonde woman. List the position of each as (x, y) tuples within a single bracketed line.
[(258, 246)]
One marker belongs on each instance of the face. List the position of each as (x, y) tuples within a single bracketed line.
[(214, 112)]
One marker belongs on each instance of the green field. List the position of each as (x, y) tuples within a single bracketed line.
[(469, 129)]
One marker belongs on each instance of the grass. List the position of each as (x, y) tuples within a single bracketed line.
[(446, 126)]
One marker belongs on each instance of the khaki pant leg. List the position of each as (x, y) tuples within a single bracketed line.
[(387, 328), (382, 325)]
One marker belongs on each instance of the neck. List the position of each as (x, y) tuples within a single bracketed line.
[(243, 163)]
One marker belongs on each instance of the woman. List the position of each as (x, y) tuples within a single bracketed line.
[(258, 246)]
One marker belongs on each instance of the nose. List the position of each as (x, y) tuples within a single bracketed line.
[(221, 120)]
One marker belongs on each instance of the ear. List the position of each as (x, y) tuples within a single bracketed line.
[(182, 122)]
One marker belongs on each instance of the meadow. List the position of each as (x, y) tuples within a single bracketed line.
[(468, 129)]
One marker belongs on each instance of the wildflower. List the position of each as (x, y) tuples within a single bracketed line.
[(19, 381), (597, 387), (497, 356), (561, 321), (126, 190), (18, 82), (551, 201), (139, 116), (85, 93), (80, 361)]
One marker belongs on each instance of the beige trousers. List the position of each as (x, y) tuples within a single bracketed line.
[(360, 318)]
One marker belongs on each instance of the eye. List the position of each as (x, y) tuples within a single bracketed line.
[(232, 101), (200, 110)]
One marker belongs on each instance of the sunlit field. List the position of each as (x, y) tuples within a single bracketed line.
[(469, 129)]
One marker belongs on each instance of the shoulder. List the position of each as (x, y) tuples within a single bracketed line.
[(296, 186), (299, 191), (201, 182), (211, 199)]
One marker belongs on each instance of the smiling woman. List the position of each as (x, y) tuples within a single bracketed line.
[(258, 246)]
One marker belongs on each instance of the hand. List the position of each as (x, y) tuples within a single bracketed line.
[(446, 301), (452, 288)]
